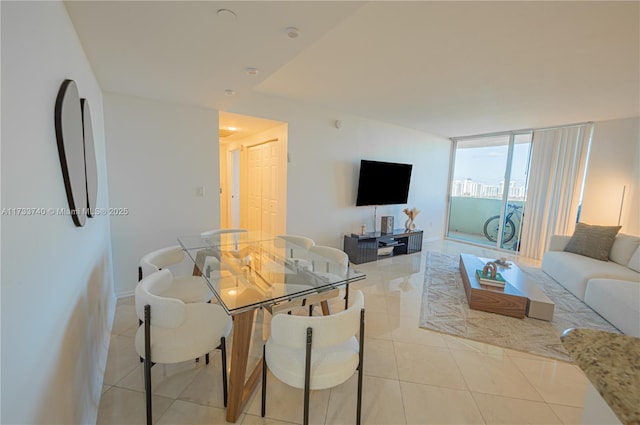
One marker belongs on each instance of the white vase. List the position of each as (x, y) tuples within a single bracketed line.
[(409, 225)]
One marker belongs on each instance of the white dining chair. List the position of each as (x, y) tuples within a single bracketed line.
[(297, 248), (317, 352), (208, 260), (189, 289), (174, 331), (214, 235), (332, 264)]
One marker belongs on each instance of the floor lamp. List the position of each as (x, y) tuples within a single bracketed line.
[(624, 188)]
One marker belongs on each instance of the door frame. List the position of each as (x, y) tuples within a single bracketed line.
[(507, 178)]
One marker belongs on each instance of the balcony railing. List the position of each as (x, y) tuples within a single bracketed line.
[(467, 217)]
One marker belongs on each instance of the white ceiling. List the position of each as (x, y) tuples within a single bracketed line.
[(236, 127), (450, 68)]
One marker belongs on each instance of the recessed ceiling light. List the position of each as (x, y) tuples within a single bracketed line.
[(227, 14), (252, 71), (229, 92), (293, 32)]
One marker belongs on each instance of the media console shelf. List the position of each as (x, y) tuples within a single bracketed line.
[(376, 246)]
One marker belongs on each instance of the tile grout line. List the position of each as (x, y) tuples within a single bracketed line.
[(475, 403), (528, 380), (395, 358)]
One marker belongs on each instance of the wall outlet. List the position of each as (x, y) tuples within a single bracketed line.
[(200, 191)]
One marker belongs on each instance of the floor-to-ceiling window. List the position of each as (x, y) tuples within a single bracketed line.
[(488, 189)]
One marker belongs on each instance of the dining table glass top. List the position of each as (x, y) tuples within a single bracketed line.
[(248, 270)]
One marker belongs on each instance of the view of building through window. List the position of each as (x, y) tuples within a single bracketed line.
[(484, 168), (479, 171), (481, 190)]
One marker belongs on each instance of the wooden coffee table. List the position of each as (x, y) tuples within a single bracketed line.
[(519, 297)]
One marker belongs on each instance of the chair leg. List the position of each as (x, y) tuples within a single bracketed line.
[(223, 348), (346, 297), (264, 381), (307, 377), (147, 361), (360, 369), (359, 402), (206, 359), (140, 324)]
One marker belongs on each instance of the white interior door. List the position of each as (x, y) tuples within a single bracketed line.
[(233, 188), (270, 188), (254, 188), (264, 187)]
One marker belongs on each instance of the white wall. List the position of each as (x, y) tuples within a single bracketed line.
[(57, 284), (158, 154), (614, 162), (322, 175)]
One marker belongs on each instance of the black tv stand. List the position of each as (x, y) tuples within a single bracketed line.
[(375, 246)]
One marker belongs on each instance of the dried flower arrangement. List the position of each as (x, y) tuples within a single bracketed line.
[(411, 213)]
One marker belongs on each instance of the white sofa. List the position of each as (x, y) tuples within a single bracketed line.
[(611, 288)]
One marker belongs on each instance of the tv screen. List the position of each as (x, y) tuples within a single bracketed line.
[(383, 183)]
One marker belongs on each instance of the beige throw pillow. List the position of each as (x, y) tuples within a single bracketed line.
[(623, 248), (592, 241), (634, 262)]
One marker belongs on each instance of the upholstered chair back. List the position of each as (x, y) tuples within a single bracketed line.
[(161, 259), (297, 246), (338, 264), (165, 312), (300, 241), (214, 235), (331, 330)]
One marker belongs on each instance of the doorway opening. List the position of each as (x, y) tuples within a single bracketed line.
[(488, 189), (253, 173)]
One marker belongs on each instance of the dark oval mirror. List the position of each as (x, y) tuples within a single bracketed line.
[(68, 122), (90, 166)]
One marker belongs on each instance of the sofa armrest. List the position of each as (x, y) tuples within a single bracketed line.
[(558, 242)]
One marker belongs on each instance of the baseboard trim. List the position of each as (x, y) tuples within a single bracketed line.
[(433, 239), (125, 294)]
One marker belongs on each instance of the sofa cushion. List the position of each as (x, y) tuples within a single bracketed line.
[(634, 262), (623, 248), (618, 301), (592, 241), (573, 271), (558, 242)]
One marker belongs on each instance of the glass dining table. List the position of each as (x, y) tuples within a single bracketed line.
[(247, 271)]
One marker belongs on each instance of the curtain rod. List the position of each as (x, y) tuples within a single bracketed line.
[(524, 130)]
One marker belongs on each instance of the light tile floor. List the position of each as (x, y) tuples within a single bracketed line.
[(411, 375)]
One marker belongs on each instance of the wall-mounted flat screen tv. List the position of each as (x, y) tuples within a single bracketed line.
[(383, 183)]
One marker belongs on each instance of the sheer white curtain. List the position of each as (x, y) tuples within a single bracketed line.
[(556, 177)]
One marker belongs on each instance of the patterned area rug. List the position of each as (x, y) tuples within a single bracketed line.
[(445, 309)]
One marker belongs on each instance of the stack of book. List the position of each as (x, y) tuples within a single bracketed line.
[(486, 279)]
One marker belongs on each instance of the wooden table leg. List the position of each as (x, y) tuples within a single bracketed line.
[(326, 310), (242, 333)]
